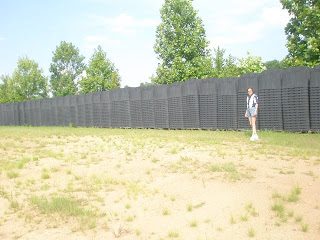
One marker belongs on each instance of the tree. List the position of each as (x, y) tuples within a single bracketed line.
[(147, 84), (181, 44), (101, 74), (303, 32), (275, 64), (6, 89), (251, 64), (66, 67), (224, 67), (27, 83)]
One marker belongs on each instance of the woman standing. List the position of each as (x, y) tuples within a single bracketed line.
[(252, 112)]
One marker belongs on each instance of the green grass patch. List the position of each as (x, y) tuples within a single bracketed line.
[(61, 205)]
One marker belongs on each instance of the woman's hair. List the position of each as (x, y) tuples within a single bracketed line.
[(250, 88)]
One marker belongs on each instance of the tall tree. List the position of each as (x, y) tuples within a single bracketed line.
[(303, 32), (101, 74), (251, 64), (274, 64), (224, 67), (66, 67), (181, 44), (27, 83), (6, 90)]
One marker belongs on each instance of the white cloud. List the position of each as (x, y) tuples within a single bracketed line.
[(275, 16), (232, 26), (92, 41), (124, 23), (2, 38)]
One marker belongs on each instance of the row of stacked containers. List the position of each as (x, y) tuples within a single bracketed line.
[(288, 100)]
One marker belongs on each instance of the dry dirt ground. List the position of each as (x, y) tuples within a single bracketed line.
[(73, 183)]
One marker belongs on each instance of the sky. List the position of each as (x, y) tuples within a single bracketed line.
[(126, 31)]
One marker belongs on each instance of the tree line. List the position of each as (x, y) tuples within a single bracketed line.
[(181, 48)]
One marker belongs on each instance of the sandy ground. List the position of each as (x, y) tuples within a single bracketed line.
[(148, 188)]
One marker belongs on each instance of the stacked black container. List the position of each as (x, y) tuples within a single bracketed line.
[(73, 110), (208, 101), (161, 106), (135, 107), (270, 101), (15, 113), (88, 108), (21, 113), (190, 105), (43, 113), (81, 118), (61, 111), (105, 109), (96, 109), (245, 81), (295, 99), (315, 99), (120, 108), (175, 106), (147, 103), (227, 103), (9, 114), (27, 112)]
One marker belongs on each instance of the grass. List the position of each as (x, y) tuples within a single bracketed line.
[(86, 190), (62, 205), (299, 218), (251, 232), (232, 220), (173, 234), (279, 208), (165, 212), (12, 174), (45, 175), (304, 227), (193, 223), (294, 196)]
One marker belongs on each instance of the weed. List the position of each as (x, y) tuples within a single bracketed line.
[(12, 174), (232, 220), (251, 232), (173, 234), (165, 212), (279, 208), (59, 204), (193, 223), (22, 162), (45, 175), (299, 218), (295, 192), (304, 227), (244, 217)]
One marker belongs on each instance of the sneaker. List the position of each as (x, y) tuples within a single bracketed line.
[(256, 137), (252, 138)]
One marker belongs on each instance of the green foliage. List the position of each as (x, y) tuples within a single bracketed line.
[(101, 74), (275, 64), (66, 67), (181, 44), (251, 64), (224, 67), (303, 32), (6, 89), (27, 83)]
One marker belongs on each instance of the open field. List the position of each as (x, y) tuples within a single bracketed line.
[(90, 183)]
